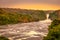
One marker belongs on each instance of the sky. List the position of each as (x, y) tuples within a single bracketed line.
[(31, 4)]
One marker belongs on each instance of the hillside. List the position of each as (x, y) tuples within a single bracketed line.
[(10, 15), (55, 15), (54, 31)]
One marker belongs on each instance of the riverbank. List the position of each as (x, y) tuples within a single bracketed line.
[(26, 31)]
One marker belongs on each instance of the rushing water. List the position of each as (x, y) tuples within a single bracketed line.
[(47, 16), (26, 31)]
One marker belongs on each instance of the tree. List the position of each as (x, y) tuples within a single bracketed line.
[(54, 32)]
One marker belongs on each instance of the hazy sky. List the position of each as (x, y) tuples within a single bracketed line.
[(31, 4)]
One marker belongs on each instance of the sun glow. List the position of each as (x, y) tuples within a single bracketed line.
[(36, 6)]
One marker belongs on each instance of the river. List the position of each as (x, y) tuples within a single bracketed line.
[(26, 31)]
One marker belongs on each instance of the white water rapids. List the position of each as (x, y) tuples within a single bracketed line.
[(27, 31)]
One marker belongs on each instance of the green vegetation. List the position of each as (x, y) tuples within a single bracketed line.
[(55, 15), (3, 38), (12, 16), (54, 31)]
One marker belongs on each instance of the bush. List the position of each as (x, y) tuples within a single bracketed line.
[(3, 38)]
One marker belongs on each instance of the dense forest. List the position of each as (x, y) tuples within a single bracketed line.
[(55, 15), (11, 16), (54, 31)]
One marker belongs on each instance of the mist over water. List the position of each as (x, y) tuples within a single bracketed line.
[(27, 31)]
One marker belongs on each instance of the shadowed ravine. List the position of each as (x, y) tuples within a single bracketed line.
[(26, 31)]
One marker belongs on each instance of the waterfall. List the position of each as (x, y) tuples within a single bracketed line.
[(47, 18), (47, 15)]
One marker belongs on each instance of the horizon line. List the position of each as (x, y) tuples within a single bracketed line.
[(29, 9)]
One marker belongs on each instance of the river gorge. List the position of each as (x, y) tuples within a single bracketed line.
[(26, 31)]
